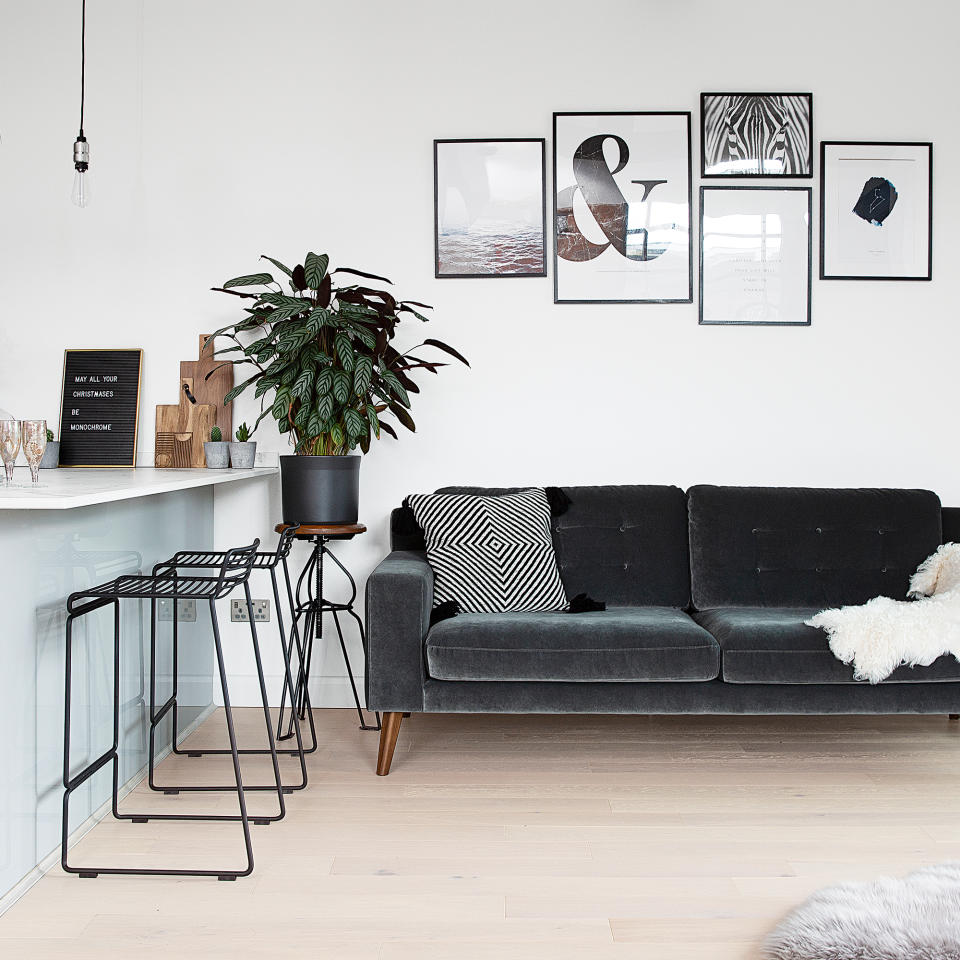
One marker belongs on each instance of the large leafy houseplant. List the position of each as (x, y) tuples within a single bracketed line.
[(323, 354)]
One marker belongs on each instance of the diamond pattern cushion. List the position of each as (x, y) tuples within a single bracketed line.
[(491, 554)]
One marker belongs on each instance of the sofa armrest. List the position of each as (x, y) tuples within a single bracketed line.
[(399, 598)]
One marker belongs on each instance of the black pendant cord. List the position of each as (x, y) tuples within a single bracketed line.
[(83, 59)]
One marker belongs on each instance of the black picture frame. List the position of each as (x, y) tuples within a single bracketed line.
[(542, 272), (687, 115), (746, 188), (824, 178), (100, 407), (808, 157)]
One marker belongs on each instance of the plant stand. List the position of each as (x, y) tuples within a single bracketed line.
[(311, 604)]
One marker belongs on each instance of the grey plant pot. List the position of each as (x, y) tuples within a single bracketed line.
[(51, 456), (217, 454), (243, 455)]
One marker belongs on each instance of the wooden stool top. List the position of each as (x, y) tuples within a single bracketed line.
[(324, 529)]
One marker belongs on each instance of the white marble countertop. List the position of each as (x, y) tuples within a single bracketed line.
[(68, 487)]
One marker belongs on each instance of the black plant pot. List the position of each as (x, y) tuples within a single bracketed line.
[(320, 489)]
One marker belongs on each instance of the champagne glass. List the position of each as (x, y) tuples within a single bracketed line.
[(34, 433), (9, 445)]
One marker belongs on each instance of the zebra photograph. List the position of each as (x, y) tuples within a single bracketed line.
[(756, 134)]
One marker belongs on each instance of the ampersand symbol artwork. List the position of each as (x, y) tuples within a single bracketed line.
[(606, 203)]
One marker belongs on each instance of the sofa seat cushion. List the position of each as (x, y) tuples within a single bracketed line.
[(774, 645), (617, 644)]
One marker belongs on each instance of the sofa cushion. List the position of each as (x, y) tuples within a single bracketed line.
[(620, 643), (491, 554), (774, 645), (797, 547), (621, 544)]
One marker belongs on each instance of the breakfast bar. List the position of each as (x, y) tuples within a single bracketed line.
[(79, 527)]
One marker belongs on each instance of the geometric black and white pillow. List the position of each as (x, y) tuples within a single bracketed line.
[(491, 554)]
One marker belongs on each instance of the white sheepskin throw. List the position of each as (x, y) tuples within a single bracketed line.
[(916, 917), (883, 634)]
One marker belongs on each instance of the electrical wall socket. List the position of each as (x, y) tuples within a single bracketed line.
[(186, 610), (261, 611)]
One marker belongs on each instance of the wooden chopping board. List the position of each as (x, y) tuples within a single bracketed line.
[(213, 390), (182, 430)]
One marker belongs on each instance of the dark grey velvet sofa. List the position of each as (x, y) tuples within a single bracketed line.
[(706, 594)]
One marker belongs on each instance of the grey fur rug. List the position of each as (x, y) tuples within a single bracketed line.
[(916, 917)]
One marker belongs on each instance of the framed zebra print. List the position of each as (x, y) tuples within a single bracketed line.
[(876, 210), (622, 208), (755, 255), (756, 134)]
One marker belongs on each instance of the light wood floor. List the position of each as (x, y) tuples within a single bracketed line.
[(518, 838)]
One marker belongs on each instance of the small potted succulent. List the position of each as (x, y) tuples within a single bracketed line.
[(51, 453), (243, 451), (326, 369), (216, 450)]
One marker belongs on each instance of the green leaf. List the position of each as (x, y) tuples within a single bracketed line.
[(314, 425), (354, 423), (324, 381), (318, 318), (374, 419), (336, 433), (265, 384), (341, 385), (250, 280), (293, 339), (277, 264), (303, 386), (236, 391), (324, 407), (280, 407), (315, 269), (344, 351), (362, 373), (395, 386)]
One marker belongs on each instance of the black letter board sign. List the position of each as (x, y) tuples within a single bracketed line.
[(99, 410)]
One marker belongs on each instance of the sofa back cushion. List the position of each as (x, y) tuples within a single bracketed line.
[(803, 547), (625, 545)]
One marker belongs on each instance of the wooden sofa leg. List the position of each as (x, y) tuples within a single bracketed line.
[(389, 730), (953, 716)]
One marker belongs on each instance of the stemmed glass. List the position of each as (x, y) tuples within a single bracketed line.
[(9, 445), (34, 443)]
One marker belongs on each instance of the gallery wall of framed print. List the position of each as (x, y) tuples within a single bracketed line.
[(756, 134), (876, 210), (755, 255), (622, 208), (490, 208)]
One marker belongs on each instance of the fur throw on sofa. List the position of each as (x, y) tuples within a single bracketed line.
[(883, 634)]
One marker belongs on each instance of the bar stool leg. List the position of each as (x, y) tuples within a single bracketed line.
[(295, 638), (266, 703)]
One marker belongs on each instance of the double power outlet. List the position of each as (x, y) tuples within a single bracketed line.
[(187, 611)]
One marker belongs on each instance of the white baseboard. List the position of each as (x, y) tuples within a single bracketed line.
[(324, 691), (52, 859)]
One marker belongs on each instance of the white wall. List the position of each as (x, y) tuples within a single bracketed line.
[(221, 130)]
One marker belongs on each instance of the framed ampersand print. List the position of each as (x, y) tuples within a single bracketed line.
[(622, 208)]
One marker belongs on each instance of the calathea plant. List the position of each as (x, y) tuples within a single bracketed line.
[(324, 351)]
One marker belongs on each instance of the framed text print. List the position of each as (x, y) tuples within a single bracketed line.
[(755, 255), (622, 208), (490, 208), (100, 408), (876, 211), (756, 134)]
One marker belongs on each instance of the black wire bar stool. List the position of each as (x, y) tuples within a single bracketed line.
[(205, 559), (234, 571)]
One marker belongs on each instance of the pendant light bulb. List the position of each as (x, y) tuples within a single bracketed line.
[(80, 194)]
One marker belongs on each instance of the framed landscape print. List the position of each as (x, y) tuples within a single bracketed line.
[(755, 255), (622, 208), (756, 134), (876, 211), (490, 208)]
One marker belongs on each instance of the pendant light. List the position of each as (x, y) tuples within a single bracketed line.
[(81, 149)]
